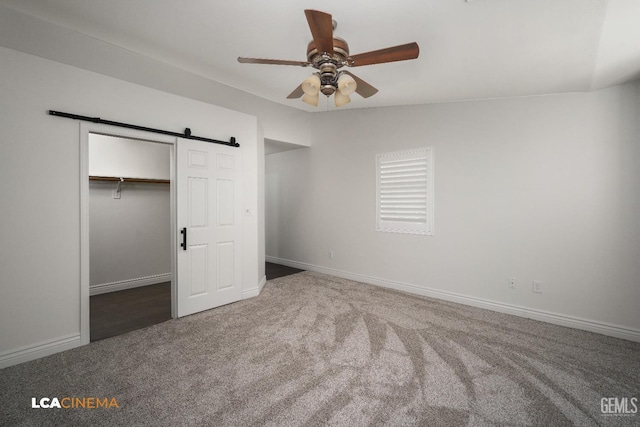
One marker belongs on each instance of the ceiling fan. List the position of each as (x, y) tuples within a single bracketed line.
[(328, 54)]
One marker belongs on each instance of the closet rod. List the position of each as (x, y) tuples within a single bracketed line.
[(143, 180), (187, 132)]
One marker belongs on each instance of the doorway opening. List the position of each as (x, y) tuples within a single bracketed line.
[(277, 203), (128, 220), (129, 229)]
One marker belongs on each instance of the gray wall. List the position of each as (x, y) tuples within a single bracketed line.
[(542, 188), (128, 158), (130, 237)]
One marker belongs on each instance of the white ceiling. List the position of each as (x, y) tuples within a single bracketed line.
[(474, 49)]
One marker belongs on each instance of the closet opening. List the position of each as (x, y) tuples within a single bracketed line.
[(129, 209)]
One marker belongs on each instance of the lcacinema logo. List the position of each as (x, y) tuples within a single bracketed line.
[(74, 402)]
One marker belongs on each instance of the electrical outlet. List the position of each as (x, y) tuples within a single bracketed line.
[(537, 286), (513, 282), (330, 254)]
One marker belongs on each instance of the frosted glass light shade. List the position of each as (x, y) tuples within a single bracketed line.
[(311, 99), (311, 85), (341, 99), (346, 84)]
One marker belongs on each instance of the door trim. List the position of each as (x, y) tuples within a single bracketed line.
[(85, 129)]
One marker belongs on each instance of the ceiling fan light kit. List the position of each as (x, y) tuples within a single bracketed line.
[(341, 99), (328, 54), (346, 84), (311, 99), (311, 85)]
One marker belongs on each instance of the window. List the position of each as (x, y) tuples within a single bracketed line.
[(404, 191)]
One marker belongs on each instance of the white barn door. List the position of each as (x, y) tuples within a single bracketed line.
[(208, 220)]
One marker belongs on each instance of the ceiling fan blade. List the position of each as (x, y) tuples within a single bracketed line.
[(363, 88), (297, 93), (321, 26), (271, 61), (390, 54)]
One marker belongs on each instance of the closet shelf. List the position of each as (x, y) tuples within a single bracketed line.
[(118, 179)]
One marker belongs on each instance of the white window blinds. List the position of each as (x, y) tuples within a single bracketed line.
[(405, 191)]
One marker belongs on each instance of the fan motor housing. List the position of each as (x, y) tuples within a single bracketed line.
[(339, 57)]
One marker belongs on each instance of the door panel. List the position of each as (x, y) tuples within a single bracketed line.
[(226, 263), (226, 194), (198, 202), (209, 206), (198, 269)]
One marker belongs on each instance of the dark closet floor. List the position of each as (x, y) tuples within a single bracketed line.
[(273, 271), (120, 312)]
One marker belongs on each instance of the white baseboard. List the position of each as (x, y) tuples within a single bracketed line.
[(38, 350), (121, 285), (254, 292), (616, 331)]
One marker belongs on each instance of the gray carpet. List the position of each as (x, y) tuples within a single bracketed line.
[(318, 350)]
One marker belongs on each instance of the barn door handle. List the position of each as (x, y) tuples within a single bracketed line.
[(183, 245)]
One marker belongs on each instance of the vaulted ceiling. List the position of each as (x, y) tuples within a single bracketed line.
[(469, 49)]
